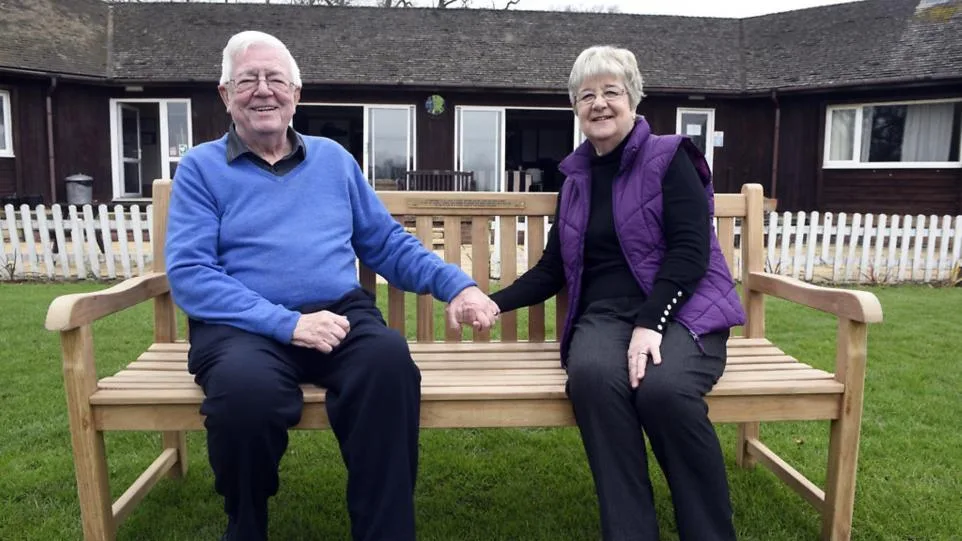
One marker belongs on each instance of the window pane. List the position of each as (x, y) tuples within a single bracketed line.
[(481, 147), (695, 126), (3, 125), (842, 140), (928, 135), (177, 128), (923, 132), (389, 145), (882, 130), (130, 133), (132, 178)]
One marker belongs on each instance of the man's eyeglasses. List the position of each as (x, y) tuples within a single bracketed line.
[(608, 94), (274, 84)]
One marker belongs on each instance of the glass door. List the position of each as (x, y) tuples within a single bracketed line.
[(699, 125), (130, 150), (148, 138), (479, 145), (389, 148)]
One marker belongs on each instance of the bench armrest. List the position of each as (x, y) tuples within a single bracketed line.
[(860, 306), (71, 311)]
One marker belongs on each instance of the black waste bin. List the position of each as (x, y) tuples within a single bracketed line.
[(80, 189)]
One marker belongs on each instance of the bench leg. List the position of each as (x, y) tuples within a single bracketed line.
[(746, 431), (840, 481), (89, 455), (176, 440), (844, 433), (93, 487)]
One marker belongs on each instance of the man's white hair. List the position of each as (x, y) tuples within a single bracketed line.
[(605, 60), (241, 41)]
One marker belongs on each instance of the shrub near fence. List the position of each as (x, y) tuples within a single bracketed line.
[(68, 242)]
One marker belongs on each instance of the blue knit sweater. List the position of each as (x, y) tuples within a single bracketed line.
[(246, 248)]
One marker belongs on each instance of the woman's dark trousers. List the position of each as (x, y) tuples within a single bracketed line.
[(668, 406)]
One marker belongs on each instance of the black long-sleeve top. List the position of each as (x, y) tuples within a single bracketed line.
[(606, 272)]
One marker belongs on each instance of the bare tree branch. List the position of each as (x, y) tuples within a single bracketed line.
[(612, 8)]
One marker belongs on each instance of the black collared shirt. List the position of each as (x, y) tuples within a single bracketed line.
[(237, 148)]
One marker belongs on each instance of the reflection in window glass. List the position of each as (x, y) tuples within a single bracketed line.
[(177, 128), (925, 133), (695, 126), (389, 143), (3, 122), (481, 147), (883, 128)]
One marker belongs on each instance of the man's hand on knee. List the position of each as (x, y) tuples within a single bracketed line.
[(322, 331)]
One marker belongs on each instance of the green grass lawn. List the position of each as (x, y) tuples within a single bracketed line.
[(505, 483)]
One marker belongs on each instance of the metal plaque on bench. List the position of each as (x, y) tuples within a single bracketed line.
[(466, 203)]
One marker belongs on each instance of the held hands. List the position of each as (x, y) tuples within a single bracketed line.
[(472, 307), (322, 331), (644, 342)]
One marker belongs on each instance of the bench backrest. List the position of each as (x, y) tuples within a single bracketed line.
[(444, 181), (460, 212)]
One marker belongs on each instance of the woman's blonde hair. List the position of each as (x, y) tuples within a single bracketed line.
[(605, 60)]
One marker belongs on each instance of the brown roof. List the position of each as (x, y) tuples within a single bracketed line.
[(58, 36), (860, 42), (450, 47), (852, 43)]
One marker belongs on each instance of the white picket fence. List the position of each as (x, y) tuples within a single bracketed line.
[(75, 242), (863, 248), (107, 243)]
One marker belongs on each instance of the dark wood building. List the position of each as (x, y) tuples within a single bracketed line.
[(852, 107)]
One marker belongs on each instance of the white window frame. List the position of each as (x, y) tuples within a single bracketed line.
[(855, 162), (162, 139), (365, 119), (6, 151), (709, 130)]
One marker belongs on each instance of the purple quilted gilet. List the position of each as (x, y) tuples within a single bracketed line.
[(714, 305)]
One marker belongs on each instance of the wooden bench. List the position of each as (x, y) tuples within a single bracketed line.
[(479, 383)]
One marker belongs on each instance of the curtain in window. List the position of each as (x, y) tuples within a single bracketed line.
[(928, 132), (868, 117), (842, 141), (3, 127)]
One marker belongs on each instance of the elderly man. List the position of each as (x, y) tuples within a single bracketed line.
[(266, 226)]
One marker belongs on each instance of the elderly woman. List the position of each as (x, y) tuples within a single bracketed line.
[(652, 303)]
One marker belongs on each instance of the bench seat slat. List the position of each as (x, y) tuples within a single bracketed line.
[(467, 363), (120, 392), (482, 377), (479, 371), (417, 347), (475, 382)]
